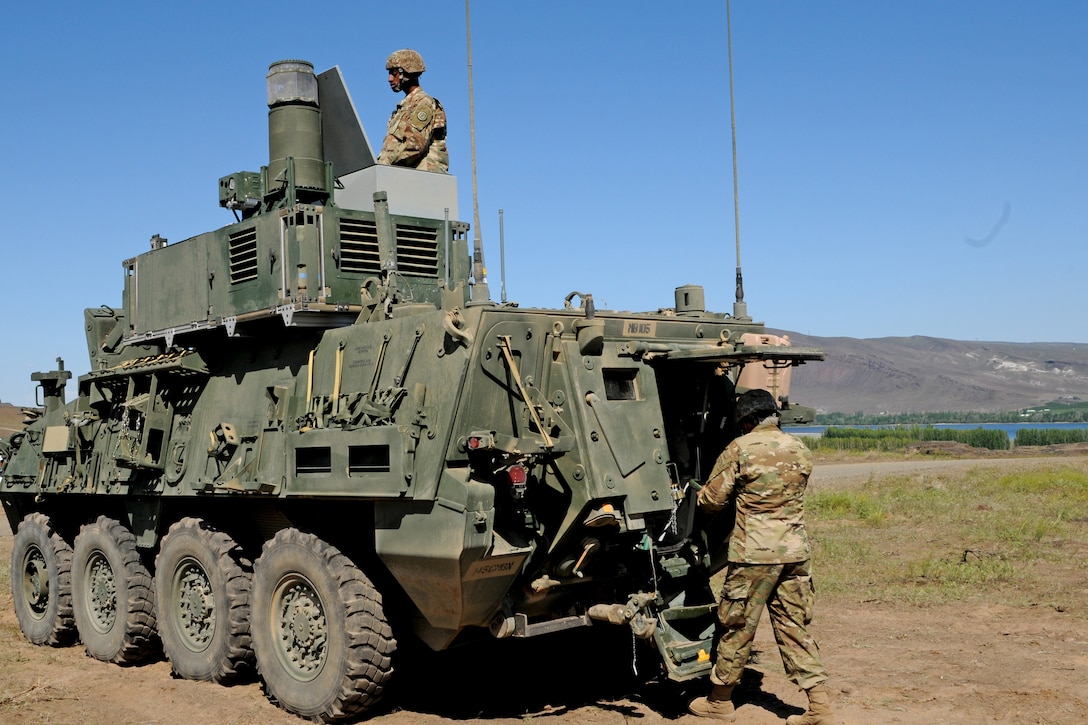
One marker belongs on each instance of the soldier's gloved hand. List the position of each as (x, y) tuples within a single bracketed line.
[(710, 496)]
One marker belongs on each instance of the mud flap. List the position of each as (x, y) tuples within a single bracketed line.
[(684, 637)]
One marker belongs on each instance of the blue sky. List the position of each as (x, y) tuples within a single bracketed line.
[(905, 168)]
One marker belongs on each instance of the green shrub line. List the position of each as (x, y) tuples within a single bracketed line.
[(899, 437), (1050, 436), (1056, 411)]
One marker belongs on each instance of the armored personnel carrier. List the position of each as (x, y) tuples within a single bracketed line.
[(311, 433)]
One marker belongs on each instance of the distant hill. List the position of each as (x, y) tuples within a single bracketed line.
[(11, 419), (929, 374)]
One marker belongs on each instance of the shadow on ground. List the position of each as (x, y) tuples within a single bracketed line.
[(552, 676)]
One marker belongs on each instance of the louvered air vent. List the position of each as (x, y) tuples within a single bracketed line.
[(417, 250), (359, 247), (243, 255)]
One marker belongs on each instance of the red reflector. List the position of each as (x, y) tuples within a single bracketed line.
[(473, 443), (517, 474)]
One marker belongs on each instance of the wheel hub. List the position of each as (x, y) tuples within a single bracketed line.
[(102, 588), (36, 581), (303, 629), (195, 605)]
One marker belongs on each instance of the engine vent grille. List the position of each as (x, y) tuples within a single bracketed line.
[(359, 247), (243, 255), (417, 248)]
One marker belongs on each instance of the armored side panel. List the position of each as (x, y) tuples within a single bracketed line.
[(411, 193), (307, 265)]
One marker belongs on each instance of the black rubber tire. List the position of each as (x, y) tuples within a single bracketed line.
[(323, 644), (41, 582), (112, 595), (202, 585)]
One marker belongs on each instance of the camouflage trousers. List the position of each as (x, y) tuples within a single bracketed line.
[(786, 591)]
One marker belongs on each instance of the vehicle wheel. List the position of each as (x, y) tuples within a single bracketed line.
[(112, 596), (321, 638), (202, 585), (41, 582)]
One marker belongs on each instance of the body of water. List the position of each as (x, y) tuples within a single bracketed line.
[(1009, 428)]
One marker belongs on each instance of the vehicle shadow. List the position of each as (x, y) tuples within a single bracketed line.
[(551, 676)]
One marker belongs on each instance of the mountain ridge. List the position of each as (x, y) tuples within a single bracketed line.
[(931, 374)]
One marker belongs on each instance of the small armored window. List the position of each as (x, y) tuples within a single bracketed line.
[(368, 459), (619, 384), (313, 460)]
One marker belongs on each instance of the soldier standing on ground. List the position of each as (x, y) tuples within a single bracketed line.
[(763, 473), (417, 129)]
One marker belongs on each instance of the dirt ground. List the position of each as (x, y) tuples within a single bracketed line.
[(890, 664)]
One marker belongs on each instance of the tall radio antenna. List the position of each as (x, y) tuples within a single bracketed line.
[(740, 307), (479, 271)]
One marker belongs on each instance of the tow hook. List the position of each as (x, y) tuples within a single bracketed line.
[(633, 613)]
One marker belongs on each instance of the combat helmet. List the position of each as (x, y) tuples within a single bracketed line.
[(407, 60), (754, 403)]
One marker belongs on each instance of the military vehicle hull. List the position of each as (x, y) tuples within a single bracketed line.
[(308, 435)]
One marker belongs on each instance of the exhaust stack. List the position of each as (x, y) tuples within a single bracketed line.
[(294, 128)]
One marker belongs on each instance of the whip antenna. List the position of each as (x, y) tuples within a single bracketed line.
[(479, 271), (740, 308), (502, 261)]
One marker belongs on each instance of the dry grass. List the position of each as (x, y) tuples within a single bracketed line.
[(1018, 539)]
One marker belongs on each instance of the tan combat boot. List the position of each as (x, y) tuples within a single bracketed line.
[(717, 704), (819, 708)]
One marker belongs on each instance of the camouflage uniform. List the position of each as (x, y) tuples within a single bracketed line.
[(765, 472), (417, 134)]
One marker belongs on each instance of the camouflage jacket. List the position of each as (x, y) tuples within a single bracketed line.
[(765, 472), (417, 134)]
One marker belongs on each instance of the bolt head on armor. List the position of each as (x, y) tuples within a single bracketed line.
[(755, 403), (407, 60)]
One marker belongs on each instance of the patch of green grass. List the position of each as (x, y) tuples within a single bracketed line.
[(1069, 483), (1013, 539), (859, 505)]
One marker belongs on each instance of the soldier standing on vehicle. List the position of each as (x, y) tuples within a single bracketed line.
[(417, 129), (763, 473)]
